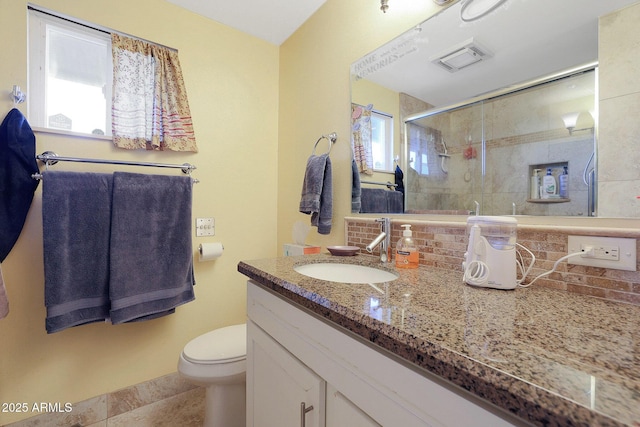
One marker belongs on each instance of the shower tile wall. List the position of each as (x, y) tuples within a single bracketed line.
[(619, 129), (163, 402), (508, 181), (443, 244)]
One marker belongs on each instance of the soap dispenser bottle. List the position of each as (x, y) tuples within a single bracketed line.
[(564, 183), (548, 185), (407, 255), (535, 185)]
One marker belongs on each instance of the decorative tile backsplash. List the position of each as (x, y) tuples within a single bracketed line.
[(443, 244)]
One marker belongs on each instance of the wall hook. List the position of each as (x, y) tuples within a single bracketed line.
[(17, 95)]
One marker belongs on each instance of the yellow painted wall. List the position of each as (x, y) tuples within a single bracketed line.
[(257, 110), (232, 83), (315, 97)]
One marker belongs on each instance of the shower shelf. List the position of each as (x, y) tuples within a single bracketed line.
[(554, 200)]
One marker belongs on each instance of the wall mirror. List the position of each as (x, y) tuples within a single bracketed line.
[(479, 105)]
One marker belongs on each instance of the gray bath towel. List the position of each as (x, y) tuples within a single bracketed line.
[(76, 217), (317, 189), (378, 200), (151, 253), (396, 201), (374, 200)]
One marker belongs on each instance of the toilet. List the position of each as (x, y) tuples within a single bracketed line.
[(217, 360)]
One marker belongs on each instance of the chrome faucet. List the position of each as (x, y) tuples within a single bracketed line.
[(383, 239)]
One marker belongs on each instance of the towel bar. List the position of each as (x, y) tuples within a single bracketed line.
[(49, 158), (388, 184), (332, 137)]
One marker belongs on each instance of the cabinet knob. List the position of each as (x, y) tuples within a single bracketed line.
[(303, 413)]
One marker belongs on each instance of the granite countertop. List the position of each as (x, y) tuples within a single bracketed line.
[(550, 357)]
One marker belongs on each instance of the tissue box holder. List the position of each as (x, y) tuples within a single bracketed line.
[(292, 250)]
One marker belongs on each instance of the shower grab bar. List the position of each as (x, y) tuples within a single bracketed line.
[(49, 158)]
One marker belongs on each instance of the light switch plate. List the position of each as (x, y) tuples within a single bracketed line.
[(205, 227)]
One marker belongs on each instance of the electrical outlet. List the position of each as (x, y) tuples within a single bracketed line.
[(205, 227), (606, 252), (611, 253)]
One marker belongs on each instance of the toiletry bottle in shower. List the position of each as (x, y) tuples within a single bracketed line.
[(407, 255), (548, 185), (564, 183), (535, 185)]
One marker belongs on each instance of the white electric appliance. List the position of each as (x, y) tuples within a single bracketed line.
[(490, 260)]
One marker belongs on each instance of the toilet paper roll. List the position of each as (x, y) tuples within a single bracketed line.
[(210, 251)]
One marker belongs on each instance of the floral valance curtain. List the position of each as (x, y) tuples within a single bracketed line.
[(361, 137), (150, 106)]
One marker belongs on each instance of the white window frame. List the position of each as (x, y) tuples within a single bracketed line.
[(38, 66), (387, 119)]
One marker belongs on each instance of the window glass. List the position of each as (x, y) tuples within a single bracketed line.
[(70, 76), (382, 141)]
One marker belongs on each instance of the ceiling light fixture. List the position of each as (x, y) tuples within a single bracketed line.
[(476, 9)]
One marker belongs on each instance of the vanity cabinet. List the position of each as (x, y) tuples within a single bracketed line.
[(296, 360), (342, 412), (283, 391)]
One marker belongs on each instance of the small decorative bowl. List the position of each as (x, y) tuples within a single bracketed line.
[(343, 250)]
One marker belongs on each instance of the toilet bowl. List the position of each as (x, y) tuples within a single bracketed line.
[(217, 360)]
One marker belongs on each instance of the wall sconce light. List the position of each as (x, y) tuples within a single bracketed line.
[(570, 120)]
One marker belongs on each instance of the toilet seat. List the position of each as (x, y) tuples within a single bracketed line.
[(224, 345)]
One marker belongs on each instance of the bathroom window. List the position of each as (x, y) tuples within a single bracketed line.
[(382, 141), (70, 76)]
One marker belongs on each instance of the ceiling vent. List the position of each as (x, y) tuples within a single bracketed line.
[(461, 56)]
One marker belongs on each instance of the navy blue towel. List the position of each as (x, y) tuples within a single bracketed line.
[(17, 163), (399, 177), (356, 191)]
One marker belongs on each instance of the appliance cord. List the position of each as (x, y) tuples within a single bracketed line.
[(555, 265), (476, 273)]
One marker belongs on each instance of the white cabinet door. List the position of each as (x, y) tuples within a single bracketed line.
[(342, 412), (281, 391)]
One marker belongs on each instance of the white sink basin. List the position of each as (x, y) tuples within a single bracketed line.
[(345, 273)]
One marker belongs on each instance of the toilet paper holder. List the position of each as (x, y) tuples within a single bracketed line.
[(210, 251)]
